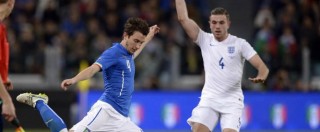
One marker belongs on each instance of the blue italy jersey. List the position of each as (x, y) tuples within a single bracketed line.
[(118, 74)]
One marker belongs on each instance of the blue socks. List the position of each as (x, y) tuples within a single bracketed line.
[(49, 117)]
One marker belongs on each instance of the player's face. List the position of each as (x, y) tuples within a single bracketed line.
[(219, 25), (134, 42)]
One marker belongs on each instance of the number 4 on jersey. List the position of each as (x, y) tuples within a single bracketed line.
[(221, 63)]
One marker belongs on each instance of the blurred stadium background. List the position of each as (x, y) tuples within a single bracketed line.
[(51, 40)]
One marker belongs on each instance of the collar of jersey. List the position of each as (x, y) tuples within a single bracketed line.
[(123, 49), (216, 42)]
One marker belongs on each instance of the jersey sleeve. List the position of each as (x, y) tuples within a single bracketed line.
[(106, 60), (247, 50), (200, 38)]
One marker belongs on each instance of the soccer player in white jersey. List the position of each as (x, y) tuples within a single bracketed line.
[(110, 112), (223, 56)]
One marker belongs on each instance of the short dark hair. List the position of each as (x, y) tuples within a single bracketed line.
[(220, 11), (3, 1), (136, 24)]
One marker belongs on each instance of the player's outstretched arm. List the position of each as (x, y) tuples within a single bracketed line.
[(83, 75), (263, 71), (152, 31), (188, 24)]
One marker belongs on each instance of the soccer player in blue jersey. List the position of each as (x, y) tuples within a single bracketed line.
[(110, 112)]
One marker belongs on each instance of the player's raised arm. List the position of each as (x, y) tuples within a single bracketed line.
[(263, 71), (188, 24), (152, 31)]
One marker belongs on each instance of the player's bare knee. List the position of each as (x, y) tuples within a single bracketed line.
[(198, 127), (229, 130)]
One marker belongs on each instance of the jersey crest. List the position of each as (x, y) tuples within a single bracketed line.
[(231, 49), (128, 65)]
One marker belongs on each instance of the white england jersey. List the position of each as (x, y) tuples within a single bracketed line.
[(223, 65)]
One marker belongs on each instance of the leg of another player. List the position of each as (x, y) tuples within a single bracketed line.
[(50, 118), (198, 127)]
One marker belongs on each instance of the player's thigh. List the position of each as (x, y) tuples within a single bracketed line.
[(198, 127), (229, 130), (231, 120), (105, 119), (94, 119), (129, 126), (205, 116)]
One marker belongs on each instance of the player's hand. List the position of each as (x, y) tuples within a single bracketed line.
[(66, 83), (257, 80), (8, 84), (8, 111), (154, 30)]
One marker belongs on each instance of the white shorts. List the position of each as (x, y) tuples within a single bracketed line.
[(208, 112), (102, 117)]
